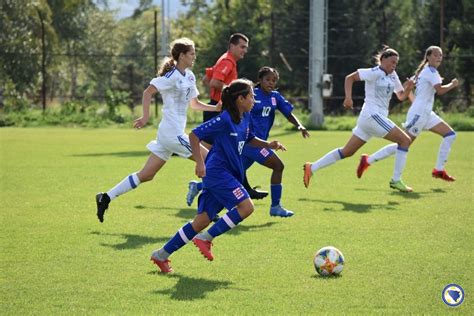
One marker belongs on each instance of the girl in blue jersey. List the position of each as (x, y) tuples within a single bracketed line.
[(380, 83), (222, 173), (267, 101), (421, 117)]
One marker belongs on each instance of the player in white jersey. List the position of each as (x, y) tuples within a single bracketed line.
[(177, 85), (420, 116), (380, 83)]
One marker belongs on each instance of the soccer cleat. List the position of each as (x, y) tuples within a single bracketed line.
[(204, 247), (363, 165), (192, 192), (163, 265), (307, 174), (400, 186), (256, 194), (442, 174), (278, 210), (102, 200)]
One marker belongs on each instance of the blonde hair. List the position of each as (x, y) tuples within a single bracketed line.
[(422, 65), (177, 47)]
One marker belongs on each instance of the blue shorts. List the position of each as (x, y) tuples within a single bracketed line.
[(251, 154), (220, 192)]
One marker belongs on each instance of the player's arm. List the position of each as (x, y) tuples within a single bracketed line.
[(440, 90), (408, 86), (146, 101), (197, 155), (260, 143), (294, 120), (197, 105), (216, 84), (348, 82)]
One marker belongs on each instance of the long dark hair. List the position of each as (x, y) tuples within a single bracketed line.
[(238, 87), (181, 45), (428, 52), (386, 52)]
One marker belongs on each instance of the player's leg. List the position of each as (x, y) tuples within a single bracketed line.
[(249, 156), (403, 142), (449, 135), (130, 182), (351, 147), (184, 235), (274, 162)]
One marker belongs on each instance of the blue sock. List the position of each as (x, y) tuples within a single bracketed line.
[(276, 193), (199, 186), (182, 237), (225, 223)]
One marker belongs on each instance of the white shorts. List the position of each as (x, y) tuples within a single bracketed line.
[(417, 122), (164, 147), (373, 124)]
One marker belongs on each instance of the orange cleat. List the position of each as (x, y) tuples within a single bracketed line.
[(204, 247), (442, 174), (363, 165), (163, 265), (307, 174)]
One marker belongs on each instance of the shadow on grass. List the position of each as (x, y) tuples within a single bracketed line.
[(328, 278), (185, 213), (356, 207), (189, 289), (247, 228), (123, 154), (132, 241)]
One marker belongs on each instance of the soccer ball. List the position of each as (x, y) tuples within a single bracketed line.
[(329, 261)]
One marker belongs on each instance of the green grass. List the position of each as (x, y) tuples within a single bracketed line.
[(400, 249)]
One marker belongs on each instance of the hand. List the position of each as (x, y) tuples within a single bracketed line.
[(455, 82), (348, 103), (303, 130), (219, 106), (140, 122), (409, 84), (200, 170), (276, 145)]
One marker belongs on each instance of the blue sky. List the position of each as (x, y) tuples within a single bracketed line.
[(126, 7)]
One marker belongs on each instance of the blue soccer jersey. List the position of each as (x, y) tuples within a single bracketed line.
[(229, 140), (263, 112)]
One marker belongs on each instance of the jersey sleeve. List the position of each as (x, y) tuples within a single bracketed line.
[(194, 92), (434, 79), (162, 83), (283, 105), (368, 74), (398, 85), (222, 70), (212, 128)]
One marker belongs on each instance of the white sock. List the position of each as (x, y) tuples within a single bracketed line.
[(382, 153), (128, 183), (444, 150), (400, 161), (327, 160)]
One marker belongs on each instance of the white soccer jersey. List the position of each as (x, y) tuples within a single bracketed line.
[(177, 90), (378, 89), (425, 91)]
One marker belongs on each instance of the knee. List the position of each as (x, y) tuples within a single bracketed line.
[(246, 211), (279, 167)]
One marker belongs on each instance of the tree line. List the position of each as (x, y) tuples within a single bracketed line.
[(85, 53)]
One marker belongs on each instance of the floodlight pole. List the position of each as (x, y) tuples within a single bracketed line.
[(317, 58)]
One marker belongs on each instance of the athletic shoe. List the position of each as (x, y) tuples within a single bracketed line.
[(192, 192), (442, 174), (400, 186), (278, 210), (163, 265), (307, 174), (363, 165), (204, 247), (257, 194), (102, 200)]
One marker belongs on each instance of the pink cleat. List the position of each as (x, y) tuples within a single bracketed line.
[(204, 247), (163, 265), (442, 174), (363, 165)]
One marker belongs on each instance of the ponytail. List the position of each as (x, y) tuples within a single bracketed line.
[(386, 52), (177, 47), (422, 65), (166, 66)]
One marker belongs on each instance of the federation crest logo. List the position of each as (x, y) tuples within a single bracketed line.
[(453, 295)]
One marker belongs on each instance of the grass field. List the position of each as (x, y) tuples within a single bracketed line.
[(401, 250)]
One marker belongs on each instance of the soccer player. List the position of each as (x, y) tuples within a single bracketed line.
[(222, 174), (380, 82), (420, 116), (177, 85), (267, 101)]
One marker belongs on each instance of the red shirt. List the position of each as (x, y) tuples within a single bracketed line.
[(224, 70)]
